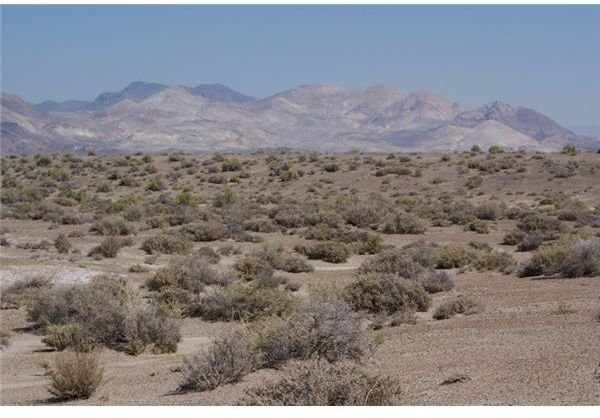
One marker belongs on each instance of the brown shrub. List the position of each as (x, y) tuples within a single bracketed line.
[(166, 244), (312, 383), (228, 360), (321, 327), (382, 292), (329, 251), (75, 375), (460, 305), (237, 302)]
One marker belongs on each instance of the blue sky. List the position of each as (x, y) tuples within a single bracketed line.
[(545, 57)]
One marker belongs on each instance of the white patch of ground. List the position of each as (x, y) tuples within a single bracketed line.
[(337, 267), (58, 274)]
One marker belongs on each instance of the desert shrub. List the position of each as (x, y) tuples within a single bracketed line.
[(270, 281), (321, 327), (363, 242), (208, 254), (166, 244), (205, 231), (460, 305), (478, 226), (569, 149), (253, 267), (540, 223), (394, 261), (382, 292), (260, 225), (474, 182), (4, 339), (190, 273), (403, 223), (329, 251), (109, 247), (293, 264), (20, 292), (274, 258), (494, 260), (316, 383), (224, 198), (573, 258), (150, 324), (544, 261), (62, 244), (436, 281), (102, 312), (232, 164), (289, 217), (490, 211), (61, 337), (454, 256), (237, 302), (228, 360), (75, 375), (531, 242), (112, 226), (424, 253), (362, 214), (156, 184), (514, 237), (138, 268), (403, 317)]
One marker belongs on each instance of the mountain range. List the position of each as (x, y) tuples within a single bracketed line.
[(153, 117)]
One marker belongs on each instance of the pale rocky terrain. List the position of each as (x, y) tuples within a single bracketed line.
[(153, 117)]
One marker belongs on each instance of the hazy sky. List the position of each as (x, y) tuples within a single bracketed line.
[(547, 58)]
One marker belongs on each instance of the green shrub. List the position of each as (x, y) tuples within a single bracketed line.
[(460, 305), (314, 383), (381, 292), (75, 375)]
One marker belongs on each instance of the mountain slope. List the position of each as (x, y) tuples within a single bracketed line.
[(211, 117)]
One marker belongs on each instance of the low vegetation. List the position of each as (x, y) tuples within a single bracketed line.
[(315, 383), (74, 375)]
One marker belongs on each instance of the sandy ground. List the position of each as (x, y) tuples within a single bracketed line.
[(519, 350)]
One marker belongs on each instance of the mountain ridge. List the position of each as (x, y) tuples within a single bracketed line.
[(154, 117)]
